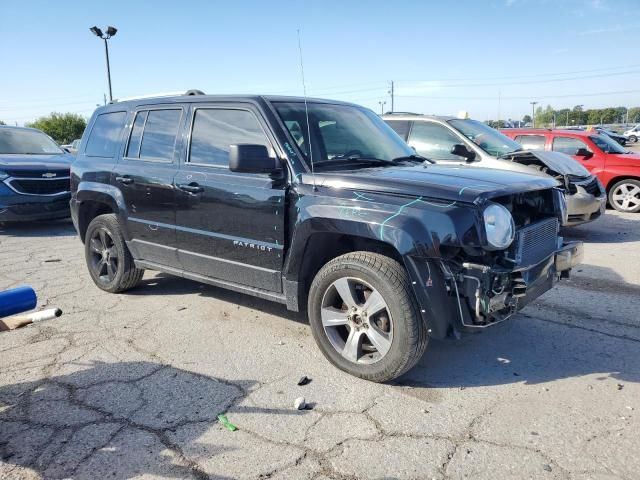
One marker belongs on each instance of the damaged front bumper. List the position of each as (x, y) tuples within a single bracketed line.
[(486, 295)]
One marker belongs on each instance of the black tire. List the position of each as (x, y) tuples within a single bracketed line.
[(633, 138), (385, 275), (125, 274), (628, 185)]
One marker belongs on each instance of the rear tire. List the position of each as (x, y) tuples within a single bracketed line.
[(109, 261), (379, 312), (633, 138), (624, 196)]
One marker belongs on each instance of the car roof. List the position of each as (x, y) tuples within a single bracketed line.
[(13, 127), (417, 116), (553, 131), (186, 98)]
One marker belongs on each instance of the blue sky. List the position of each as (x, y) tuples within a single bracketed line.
[(487, 57)]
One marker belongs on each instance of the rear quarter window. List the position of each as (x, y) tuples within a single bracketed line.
[(531, 142), (105, 134)]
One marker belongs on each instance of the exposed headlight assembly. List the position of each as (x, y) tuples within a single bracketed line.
[(499, 226)]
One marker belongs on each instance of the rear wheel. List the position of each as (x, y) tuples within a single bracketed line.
[(624, 196), (633, 138), (110, 263), (364, 318)]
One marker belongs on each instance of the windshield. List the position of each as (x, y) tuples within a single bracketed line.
[(26, 142), (341, 134), (488, 139), (607, 144)]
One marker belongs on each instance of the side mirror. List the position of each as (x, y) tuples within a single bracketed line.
[(583, 152), (461, 150), (246, 158)]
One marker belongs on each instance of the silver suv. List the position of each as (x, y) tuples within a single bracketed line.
[(465, 141), (632, 134)]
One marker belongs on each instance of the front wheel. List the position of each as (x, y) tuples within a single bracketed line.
[(110, 264), (364, 317), (633, 139), (624, 196)]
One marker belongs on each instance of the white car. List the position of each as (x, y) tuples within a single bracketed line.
[(633, 134)]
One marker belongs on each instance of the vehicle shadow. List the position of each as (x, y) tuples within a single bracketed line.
[(613, 227), (117, 420), (50, 228), (165, 284)]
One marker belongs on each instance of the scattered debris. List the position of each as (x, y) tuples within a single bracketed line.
[(52, 260), (299, 403), (304, 380), (503, 360), (620, 386), (535, 433), (181, 308), (226, 423), (547, 467), (516, 374), (280, 343), (629, 407)]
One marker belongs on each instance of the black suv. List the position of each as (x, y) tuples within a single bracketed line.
[(383, 248)]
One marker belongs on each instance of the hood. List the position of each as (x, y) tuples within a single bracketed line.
[(558, 162), (451, 183), (26, 163)]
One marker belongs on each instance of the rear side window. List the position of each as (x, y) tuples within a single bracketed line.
[(400, 126), (568, 145), (531, 142), (154, 134), (215, 129), (104, 136)]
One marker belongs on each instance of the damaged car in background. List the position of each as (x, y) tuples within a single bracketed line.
[(317, 205), (462, 140)]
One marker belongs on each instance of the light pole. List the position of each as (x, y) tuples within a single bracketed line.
[(111, 31), (533, 114), (382, 104)]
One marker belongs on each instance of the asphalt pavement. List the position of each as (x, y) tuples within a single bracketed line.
[(131, 385)]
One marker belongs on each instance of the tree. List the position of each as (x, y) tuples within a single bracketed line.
[(62, 127), (526, 119), (2, 123)]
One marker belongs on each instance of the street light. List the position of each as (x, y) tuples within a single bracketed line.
[(533, 114), (111, 31), (382, 104)]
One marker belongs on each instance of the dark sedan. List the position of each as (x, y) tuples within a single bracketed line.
[(34, 176)]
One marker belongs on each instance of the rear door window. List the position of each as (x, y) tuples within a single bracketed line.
[(568, 145), (433, 141), (105, 135), (154, 134), (401, 127), (531, 142)]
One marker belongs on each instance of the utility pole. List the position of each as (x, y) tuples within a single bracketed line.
[(533, 113), (382, 104), (391, 92), (498, 107)]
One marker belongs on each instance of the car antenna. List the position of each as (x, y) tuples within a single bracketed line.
[(306, 111)]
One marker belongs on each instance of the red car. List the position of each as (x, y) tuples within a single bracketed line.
[(617, 168)]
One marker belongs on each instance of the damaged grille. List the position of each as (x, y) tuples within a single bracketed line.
[(535, 242)]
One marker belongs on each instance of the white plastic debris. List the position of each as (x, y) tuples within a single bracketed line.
[(299, 403)]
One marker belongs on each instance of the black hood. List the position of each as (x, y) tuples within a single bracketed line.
[(35, 163), (452, 183)]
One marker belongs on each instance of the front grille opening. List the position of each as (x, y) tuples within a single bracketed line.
[(535, 242), (41, 187)]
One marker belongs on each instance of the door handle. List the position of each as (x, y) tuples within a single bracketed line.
[(191, 188), (125, 180)]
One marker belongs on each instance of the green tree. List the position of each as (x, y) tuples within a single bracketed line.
[(526, 119), (634, 114), (2, 123), (62, 127)]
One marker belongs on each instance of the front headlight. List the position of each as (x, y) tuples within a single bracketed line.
[(3, 175), (499, 226)]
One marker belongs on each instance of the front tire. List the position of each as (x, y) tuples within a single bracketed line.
[(109, 261), (633, 139), (364, 317), (624, 196)]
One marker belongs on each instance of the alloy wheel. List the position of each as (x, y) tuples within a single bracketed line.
[(104, 255), (626, 196), (356, 320)]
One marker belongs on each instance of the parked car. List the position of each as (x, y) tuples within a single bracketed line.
[(34, 176), (453, 140), (622, 140), (632, 134), (72, 147), (617, 168), (320, 204)]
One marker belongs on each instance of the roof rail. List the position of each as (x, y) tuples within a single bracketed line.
[(402, 113), (155, 95)]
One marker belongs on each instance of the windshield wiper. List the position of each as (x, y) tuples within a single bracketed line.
[(412, 158), (347, 160), (511, 152)]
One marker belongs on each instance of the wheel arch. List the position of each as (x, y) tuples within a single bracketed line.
[(92, 202), (619, 178)]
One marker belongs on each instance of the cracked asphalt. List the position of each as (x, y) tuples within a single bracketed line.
[(130, 386)]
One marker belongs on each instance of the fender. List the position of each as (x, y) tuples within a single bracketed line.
[(414, 227), (101, 193)]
